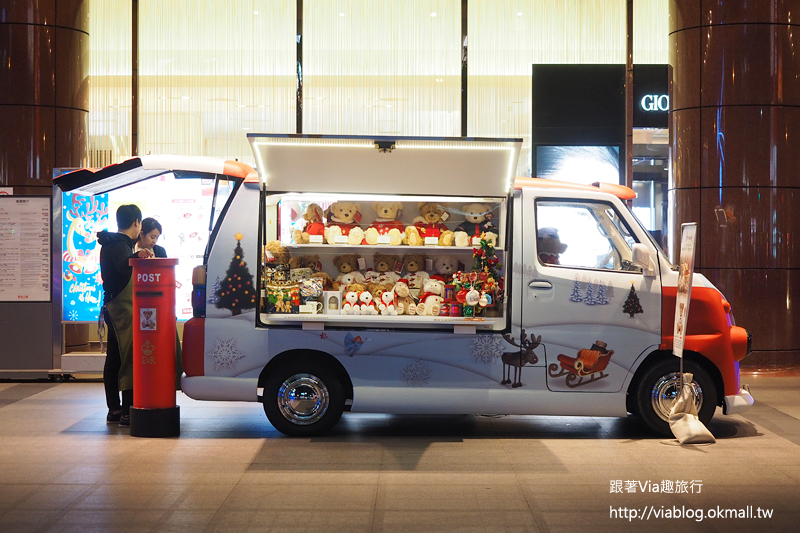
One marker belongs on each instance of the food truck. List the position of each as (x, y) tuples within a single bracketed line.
[(420, 276)]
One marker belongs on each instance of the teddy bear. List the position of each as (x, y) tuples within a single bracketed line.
[(478, 220), (315, 225), (415, 273), (404, 302), (350, 303), (347, 265), (549, 246), (367, 303), (276, 253), (430, 223), (445, 266), (430, 301), (387, 223), (386, 305), (343, 219), (383, 271)]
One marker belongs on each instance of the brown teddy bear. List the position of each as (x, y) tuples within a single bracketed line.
[(415, 272), (404, 301), (343, 220), (315, 225), (384, 269), (275, 253), (347, 265), (430, 223), (387, 223)]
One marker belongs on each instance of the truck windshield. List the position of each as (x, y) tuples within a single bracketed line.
[(585, 234)]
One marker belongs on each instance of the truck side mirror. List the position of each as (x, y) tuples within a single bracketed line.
[(643, 258)]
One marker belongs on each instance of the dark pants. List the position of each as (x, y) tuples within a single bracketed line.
[(111, 373)]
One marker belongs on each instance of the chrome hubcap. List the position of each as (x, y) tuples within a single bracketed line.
[(303, 399), (665, 391)]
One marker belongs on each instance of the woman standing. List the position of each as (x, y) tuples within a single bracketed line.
[(151, 231)]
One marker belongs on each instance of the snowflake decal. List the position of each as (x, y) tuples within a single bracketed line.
[(225, 354), (487, 348), (416, 373), (73, 315)]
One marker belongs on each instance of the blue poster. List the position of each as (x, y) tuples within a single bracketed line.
[(82, 285)]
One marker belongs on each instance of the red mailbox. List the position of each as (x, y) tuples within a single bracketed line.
[(154, 412)]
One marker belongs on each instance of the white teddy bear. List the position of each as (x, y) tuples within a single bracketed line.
[(350, 305), (367, 305), (387, 306), (430, 302)]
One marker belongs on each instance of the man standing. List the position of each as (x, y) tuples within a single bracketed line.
[(117, 310)]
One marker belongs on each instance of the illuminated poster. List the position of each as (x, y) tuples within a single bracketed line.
[(82, 289), (688, 234), (24, 249), (181, 206)]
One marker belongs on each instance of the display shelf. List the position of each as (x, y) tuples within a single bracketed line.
[(381, 321), (318, 247)]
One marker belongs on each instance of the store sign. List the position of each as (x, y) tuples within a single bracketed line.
[(651, 96), (655, 102)]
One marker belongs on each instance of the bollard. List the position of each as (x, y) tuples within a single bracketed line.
[(154, 412)]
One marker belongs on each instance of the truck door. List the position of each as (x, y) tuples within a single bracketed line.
[(595, 310)]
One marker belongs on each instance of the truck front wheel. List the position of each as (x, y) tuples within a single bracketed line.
[(658, 389), (303, 399)]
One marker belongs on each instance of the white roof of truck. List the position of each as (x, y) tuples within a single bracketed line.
[(381, 165)]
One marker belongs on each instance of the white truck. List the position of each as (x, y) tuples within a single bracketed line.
[(538, 297)]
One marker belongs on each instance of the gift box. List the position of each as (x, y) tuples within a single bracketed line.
[(283, 298), (276, 273)]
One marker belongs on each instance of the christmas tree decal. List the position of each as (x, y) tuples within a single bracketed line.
[(601, 298), (236, 291), (632, 305), (589, 298), (214, 298), (575, 295)]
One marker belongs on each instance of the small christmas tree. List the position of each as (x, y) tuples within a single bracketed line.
[(575, 295), (236, 291), (601, 298), (589, 298), (485, 259), (214, 298), (632, 305)]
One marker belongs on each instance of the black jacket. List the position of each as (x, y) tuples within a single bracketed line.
[(159, 251), (116, 249)]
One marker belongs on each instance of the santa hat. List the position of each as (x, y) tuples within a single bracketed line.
[(403, 280), (439, 278)]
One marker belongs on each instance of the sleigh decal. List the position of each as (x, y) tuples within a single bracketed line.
[(586, 367)]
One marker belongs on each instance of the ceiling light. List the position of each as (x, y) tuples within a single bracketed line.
[(241, 105), (255, 12), (163, 98), (433, 14), (185, 97), (341, 14), (519, 13), (389, 105), (245, 128)]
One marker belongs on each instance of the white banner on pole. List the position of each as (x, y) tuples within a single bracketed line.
[(686, 269)]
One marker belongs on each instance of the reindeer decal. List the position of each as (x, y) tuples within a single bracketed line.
[(519, 359)]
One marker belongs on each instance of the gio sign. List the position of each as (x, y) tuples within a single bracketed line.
[(655, 102)]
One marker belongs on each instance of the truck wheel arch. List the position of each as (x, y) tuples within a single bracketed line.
[(658, 355), (316, 356)]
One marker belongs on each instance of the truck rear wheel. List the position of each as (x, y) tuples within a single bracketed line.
[(658, 389), (303, 398)]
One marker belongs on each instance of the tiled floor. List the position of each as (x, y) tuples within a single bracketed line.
[(63, 469)]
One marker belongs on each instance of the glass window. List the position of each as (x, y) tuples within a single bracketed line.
[(583, 234)]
